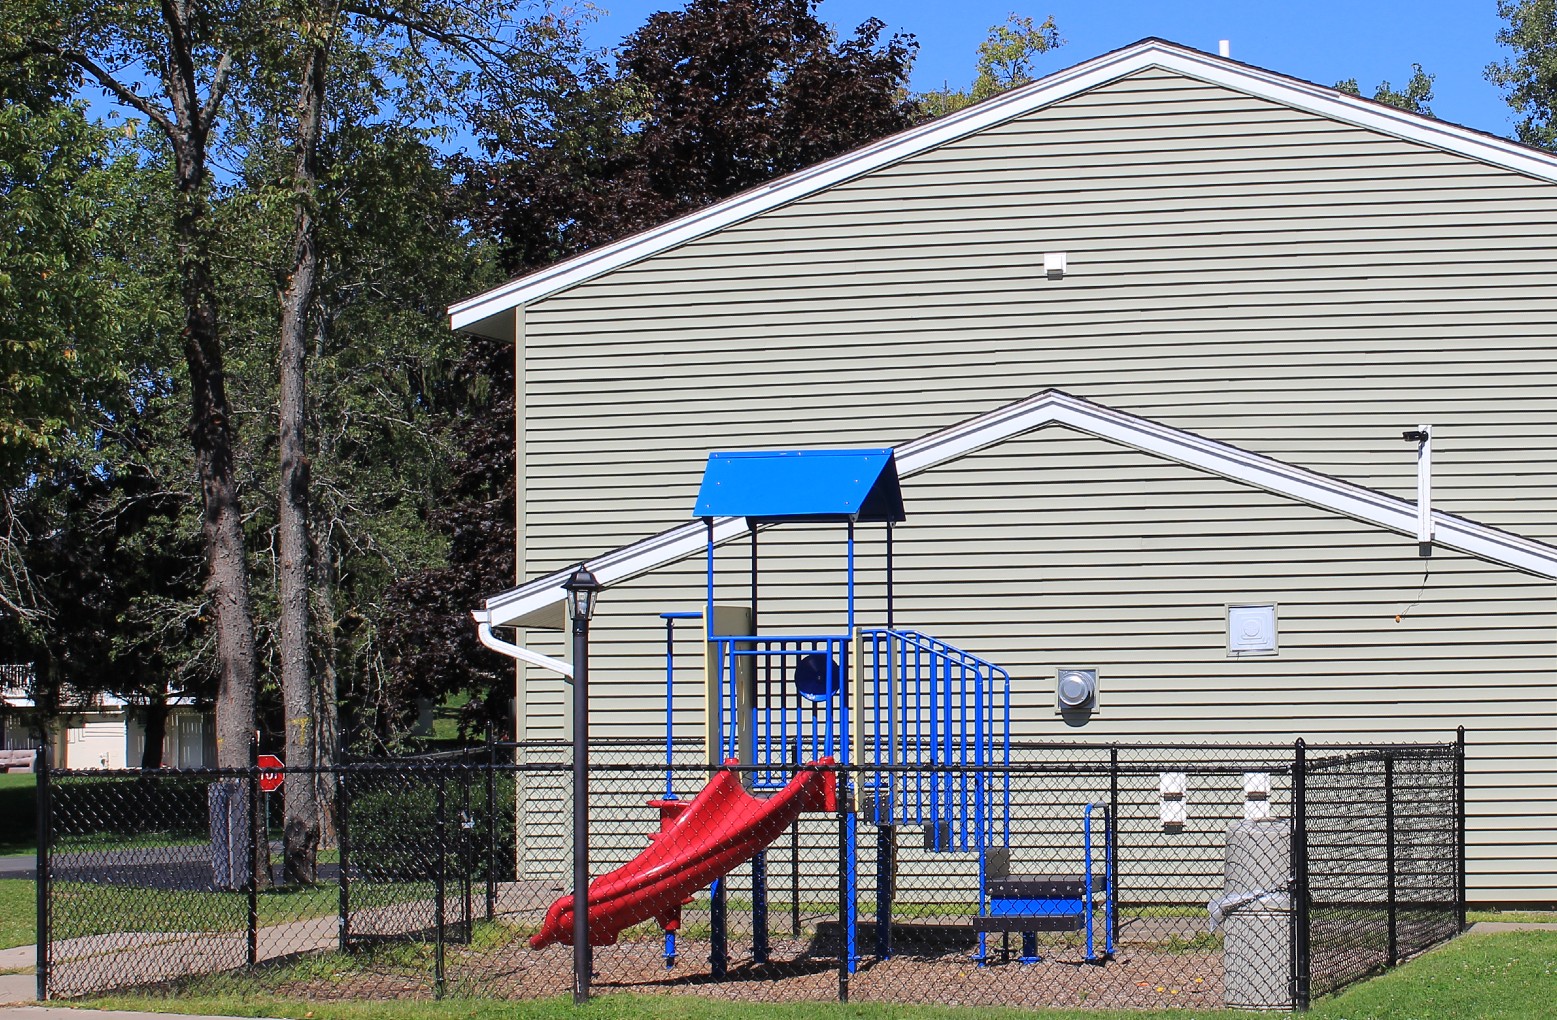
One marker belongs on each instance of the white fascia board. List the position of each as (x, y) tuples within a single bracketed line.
[(1091, 74), (1054, 407), (1326, 492)]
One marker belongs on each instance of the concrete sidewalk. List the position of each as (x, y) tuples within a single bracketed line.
[(1493, 927)]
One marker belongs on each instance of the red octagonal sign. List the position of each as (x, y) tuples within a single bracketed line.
[(269, 780)]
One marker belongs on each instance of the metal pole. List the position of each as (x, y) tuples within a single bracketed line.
[(1300, 949), (259, 828), (491, 824), (885, 850), (891, 616), (45, 839), (467, 863), (1459, 814), (1389, 856), (581, 955), (1112, 892), (759, 861), (343, 844), (440, 832), (845, 939)]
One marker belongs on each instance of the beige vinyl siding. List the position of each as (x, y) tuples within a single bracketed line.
[(1262, 276)]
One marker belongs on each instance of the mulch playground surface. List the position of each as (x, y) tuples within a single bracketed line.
[(799, 971)]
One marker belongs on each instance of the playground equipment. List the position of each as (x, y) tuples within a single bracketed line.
[(699, 841), (923, 726)]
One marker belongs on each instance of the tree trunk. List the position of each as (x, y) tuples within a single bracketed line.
[(156, 730), (301, 803), (221, 522)]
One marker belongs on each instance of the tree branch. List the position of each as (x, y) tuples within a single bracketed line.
[(213, 99), (105, 78)]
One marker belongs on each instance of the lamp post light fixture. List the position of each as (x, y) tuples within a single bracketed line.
[(583, 590)]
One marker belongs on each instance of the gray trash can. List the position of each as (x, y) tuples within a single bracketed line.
[(1255, 915)]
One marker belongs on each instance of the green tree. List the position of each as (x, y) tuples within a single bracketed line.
[(1007, 58), (174, 66), (1529, 79), (397, 62), (1414, 98), (708, 101), (64, 310)]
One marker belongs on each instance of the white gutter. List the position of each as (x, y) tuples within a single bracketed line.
[(513, 651)]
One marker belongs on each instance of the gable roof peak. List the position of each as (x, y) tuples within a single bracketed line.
[(489, 313)]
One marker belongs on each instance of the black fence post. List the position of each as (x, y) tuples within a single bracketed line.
[(1113, 842), (794, 877), (259, 828), (491, 854), (45, 841), (843, 887), (440, 834), (467, 861), (1300, 921), (1389, 857), (1459, 818), (343, 845)]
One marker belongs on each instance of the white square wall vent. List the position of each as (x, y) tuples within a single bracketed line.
[(1251, 630)]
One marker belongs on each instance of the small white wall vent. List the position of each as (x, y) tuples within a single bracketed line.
[(1075, 689), (1251, 630), (1054, 265)]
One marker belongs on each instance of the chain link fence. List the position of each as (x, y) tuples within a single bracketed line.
[(1078, 875)]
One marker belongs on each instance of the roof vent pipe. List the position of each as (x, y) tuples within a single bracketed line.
[(1225, 47)]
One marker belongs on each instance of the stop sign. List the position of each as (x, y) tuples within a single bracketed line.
[(268, 778)]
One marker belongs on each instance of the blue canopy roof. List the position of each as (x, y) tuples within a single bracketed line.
[(801, 485)]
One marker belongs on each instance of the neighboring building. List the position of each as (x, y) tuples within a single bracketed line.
[(103, 731), (1202, 244)]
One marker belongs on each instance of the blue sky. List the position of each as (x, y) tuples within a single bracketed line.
[(1318, 40)]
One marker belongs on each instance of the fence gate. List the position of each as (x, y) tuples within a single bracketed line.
[(408, 843)]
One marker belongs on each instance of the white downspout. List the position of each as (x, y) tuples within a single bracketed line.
[(513, 651)]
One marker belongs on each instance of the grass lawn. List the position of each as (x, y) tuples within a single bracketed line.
[(18, 813), (1477, 977), (1547, 916), (18, 912)]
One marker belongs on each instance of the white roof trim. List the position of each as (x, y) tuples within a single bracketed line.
[(1054, 407), (1253, 81)]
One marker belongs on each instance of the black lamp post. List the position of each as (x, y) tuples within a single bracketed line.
[(583, 592)]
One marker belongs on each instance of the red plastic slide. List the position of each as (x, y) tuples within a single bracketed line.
[(699, 841)]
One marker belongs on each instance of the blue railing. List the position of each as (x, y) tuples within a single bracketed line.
[(932, 707), (799, 705)]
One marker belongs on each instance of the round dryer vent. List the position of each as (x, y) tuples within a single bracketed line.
[(1077, 689)]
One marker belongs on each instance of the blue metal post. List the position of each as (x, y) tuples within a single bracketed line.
[(981, 826), (1086, 872), (670, 743), (759, 861), (717, 958), (844, 747)]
